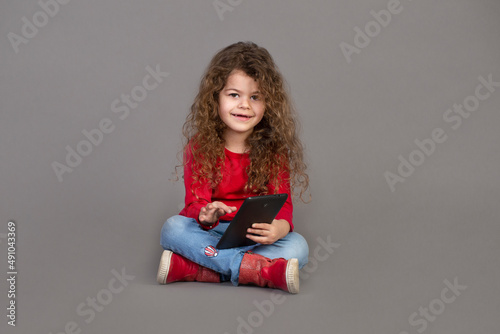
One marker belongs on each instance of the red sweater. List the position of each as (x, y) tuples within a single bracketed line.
[(230, 190)]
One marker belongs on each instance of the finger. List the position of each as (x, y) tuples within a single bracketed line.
[(226, 208), (257, 231), (203, 211), (212, 209), (260, 240), (262, 226), (220, 212), (255, 238)]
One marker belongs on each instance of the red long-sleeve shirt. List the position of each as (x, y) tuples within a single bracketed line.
[(230, 191)]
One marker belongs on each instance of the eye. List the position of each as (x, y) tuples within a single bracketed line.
[(255, 97), (233, 94)]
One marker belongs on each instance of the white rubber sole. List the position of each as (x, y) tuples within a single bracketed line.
[(292, 276), (161, 277)]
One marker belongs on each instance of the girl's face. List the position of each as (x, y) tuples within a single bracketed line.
[(241, 105)]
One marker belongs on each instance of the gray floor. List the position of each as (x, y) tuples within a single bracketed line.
[(422, 257), (384, 267)]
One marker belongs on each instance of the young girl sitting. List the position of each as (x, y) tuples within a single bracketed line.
[(241, 142)]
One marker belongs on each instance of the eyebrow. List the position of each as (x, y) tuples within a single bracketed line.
[(238, 91)]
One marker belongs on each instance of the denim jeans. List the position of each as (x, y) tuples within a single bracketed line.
[(184, 236)]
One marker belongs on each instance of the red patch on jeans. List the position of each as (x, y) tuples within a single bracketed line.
[(211, 251)]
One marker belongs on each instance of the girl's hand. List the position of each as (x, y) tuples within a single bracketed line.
[(210, 213), (268, 233)]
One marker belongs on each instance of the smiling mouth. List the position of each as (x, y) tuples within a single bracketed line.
[(241, 116)]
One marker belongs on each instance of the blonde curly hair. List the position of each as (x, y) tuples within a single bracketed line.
[(274, 144)]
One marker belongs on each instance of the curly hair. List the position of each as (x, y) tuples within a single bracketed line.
[(274, 144)]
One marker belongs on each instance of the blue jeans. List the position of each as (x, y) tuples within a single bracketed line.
[(184, 236)]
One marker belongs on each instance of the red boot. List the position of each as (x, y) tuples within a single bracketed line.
[(278, 273), (174, 268)]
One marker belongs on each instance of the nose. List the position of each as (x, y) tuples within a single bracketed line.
[(244, 104)]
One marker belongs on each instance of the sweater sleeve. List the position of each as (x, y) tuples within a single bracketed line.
[(198, 194)]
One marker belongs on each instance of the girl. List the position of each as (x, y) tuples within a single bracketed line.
[(241, 142)]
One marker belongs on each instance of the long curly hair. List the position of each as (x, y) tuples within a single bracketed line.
[(274, 144)]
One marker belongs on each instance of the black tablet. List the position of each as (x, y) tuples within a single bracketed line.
[(258, 209)]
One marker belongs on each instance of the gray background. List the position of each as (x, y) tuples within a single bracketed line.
[(394, 249)]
